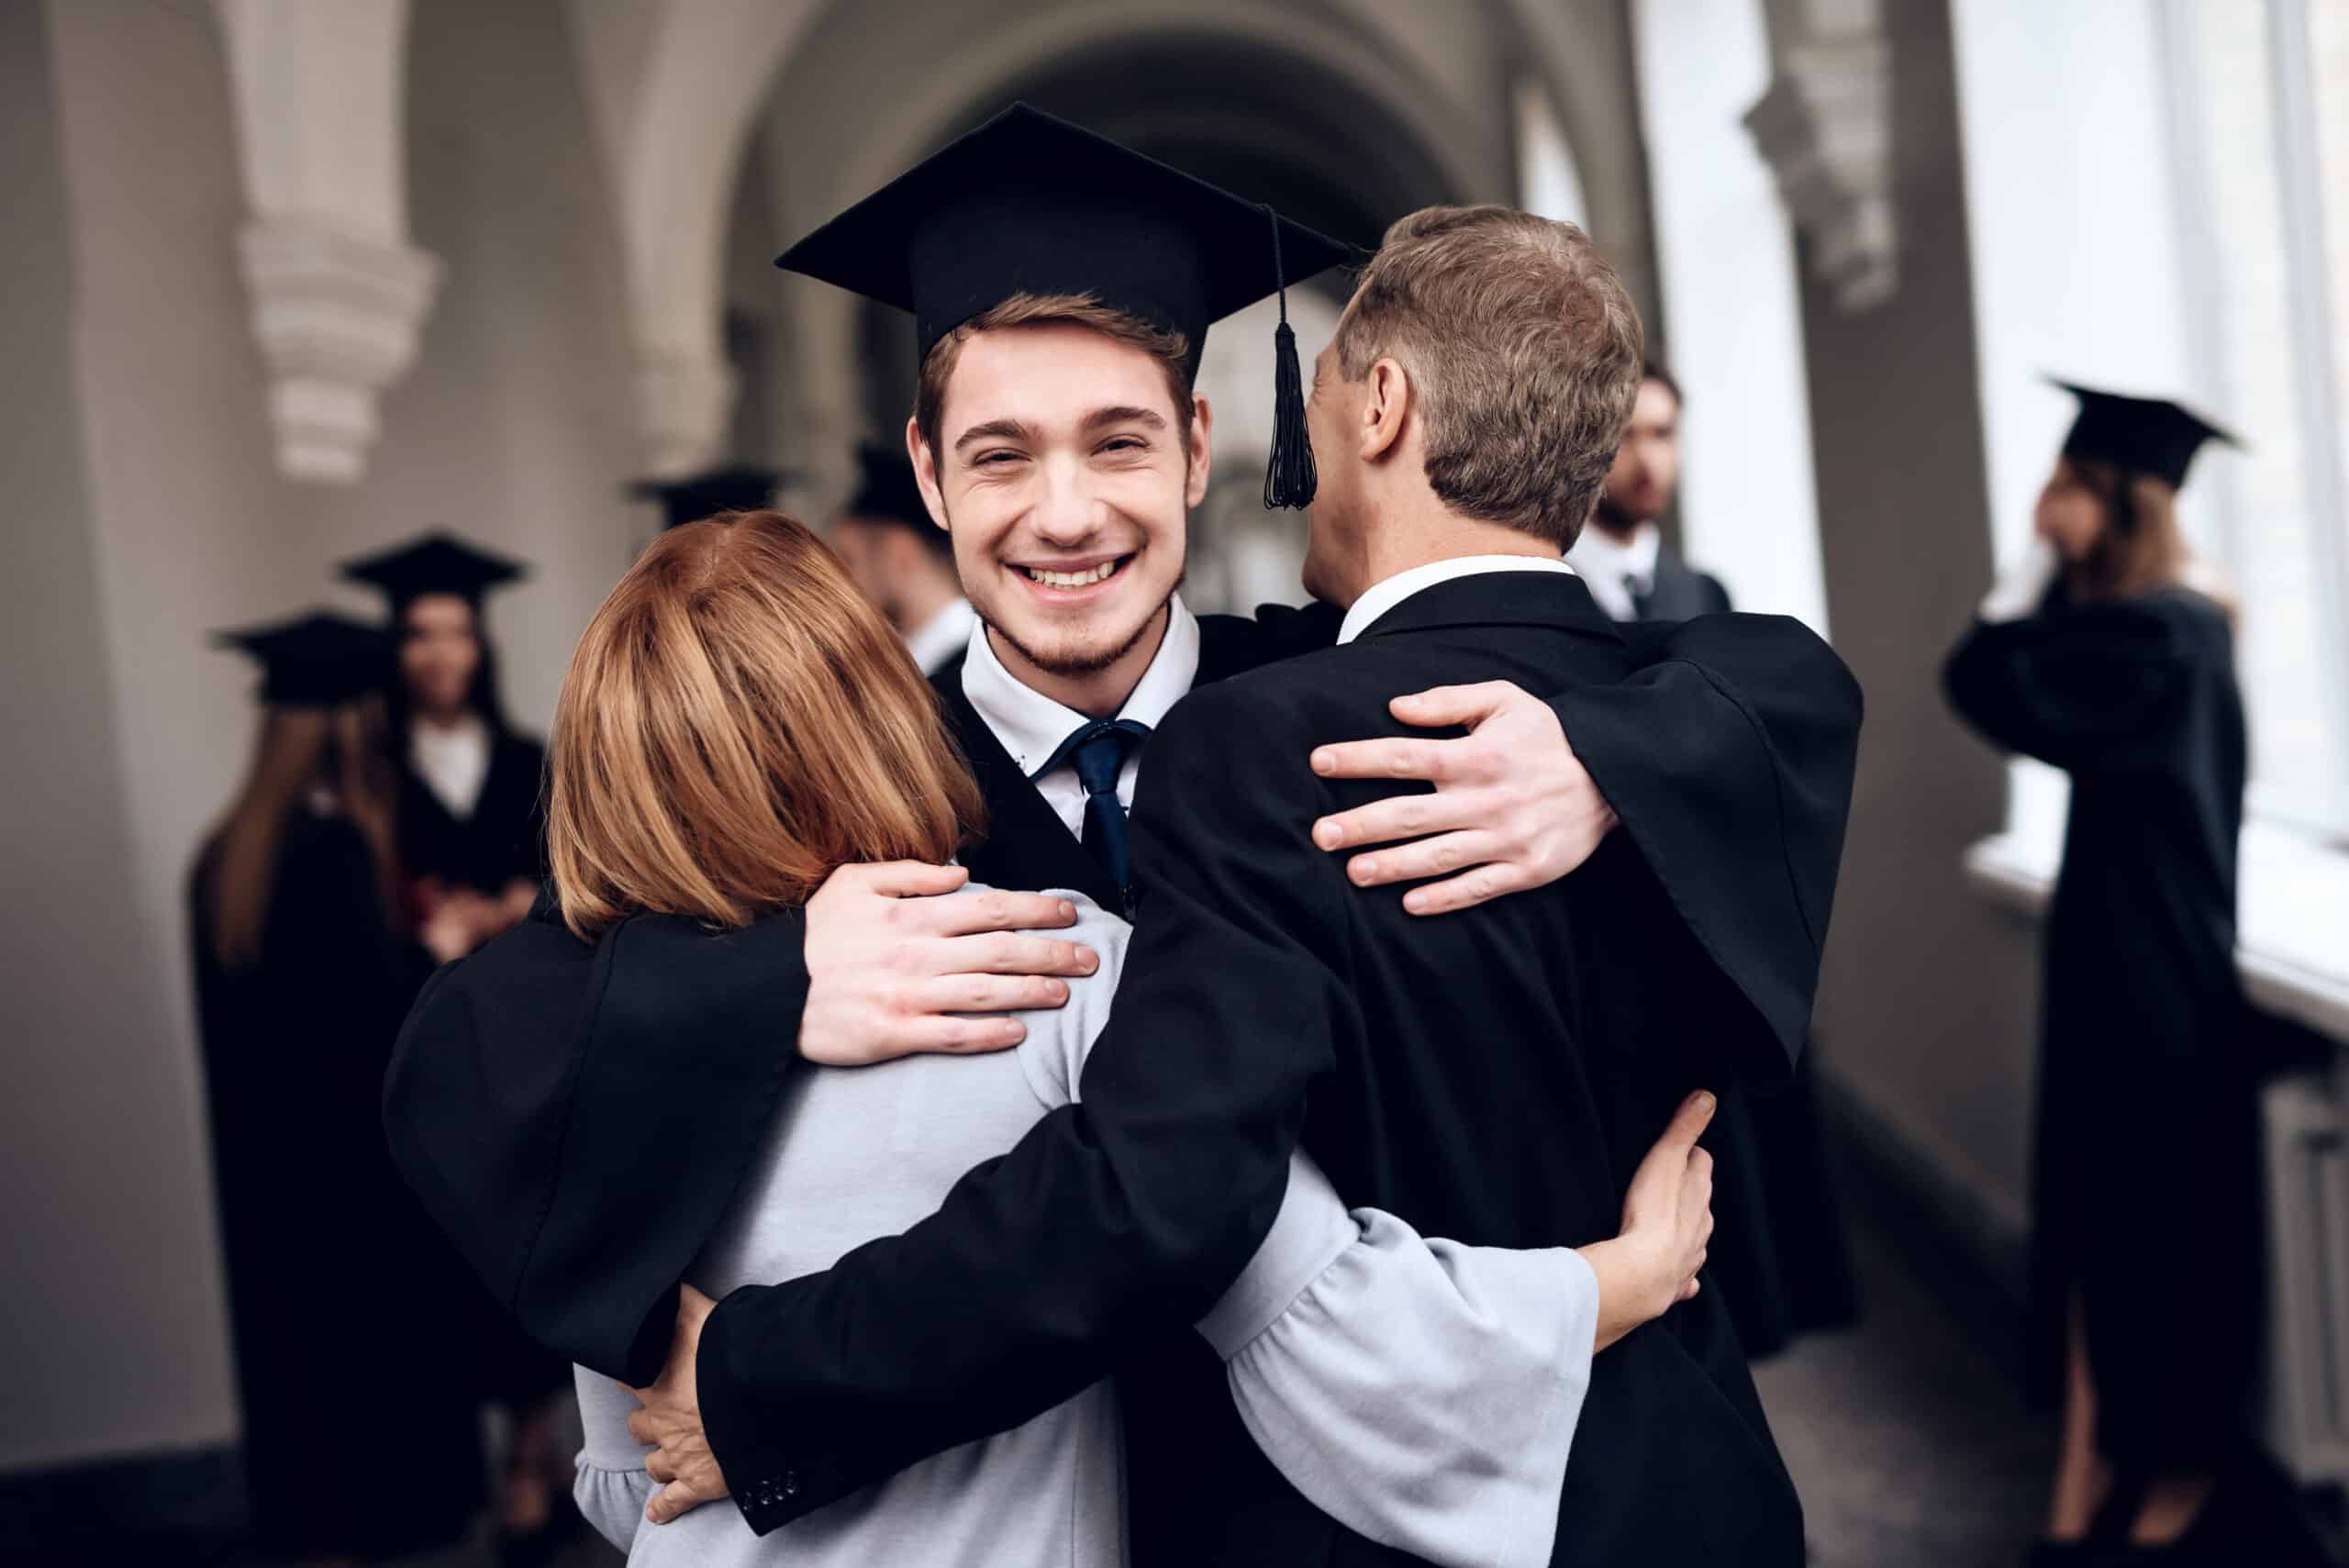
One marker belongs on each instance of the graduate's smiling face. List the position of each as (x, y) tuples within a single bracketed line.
[(1065, 474)]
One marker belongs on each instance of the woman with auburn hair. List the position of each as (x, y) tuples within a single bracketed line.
[(2100, 660), (302, 973), (736, 722)]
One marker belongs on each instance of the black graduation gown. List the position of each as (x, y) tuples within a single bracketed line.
[(2145, 1177), (356, 1437), (1779, 1252), (653, 1049), (505, 838)]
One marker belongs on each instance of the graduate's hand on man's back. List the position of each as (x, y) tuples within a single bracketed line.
[(896, 969), (1513, 808)]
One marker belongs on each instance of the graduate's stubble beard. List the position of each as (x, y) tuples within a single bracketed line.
[(1090, 661)]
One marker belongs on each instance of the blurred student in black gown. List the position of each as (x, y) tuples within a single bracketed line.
[(737, 487), (472, 831), (472, 854), (1779, 1253), (2097, 658), (338, 1287)]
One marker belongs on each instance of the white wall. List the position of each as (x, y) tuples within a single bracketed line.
[(106, 1300), (148, 513), (1732, 319)]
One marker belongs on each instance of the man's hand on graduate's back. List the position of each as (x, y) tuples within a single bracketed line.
[(895, 970), (668, 1418), (1513, 807)]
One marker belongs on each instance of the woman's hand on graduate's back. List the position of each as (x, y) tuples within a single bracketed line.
[(895, 969), (1667, 1222), (1513, 808)]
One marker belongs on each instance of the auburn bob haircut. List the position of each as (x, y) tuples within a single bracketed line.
[(738, 722)]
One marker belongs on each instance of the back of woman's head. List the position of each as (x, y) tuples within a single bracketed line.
[(737, 721), (2141, 549)]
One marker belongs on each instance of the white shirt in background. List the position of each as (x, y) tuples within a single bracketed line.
[(942, 636), (1618, 569), (453, 760)]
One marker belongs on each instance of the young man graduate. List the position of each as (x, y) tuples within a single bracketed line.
[(1062, 287)]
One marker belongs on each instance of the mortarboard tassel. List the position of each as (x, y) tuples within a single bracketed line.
[(1289, 478)]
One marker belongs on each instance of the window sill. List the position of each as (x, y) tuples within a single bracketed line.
[(2294, 914)]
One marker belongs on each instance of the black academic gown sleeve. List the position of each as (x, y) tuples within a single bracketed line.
[(2075, 685), (579, 1139), (1113, 1221), (1729, 756)]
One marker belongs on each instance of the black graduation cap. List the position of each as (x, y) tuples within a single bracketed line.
[(885, 490), (2137, 435), (741, 488), (436, 563), (1028, 203), (322, 659)]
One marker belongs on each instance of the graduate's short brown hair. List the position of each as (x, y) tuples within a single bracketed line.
[(1524, 349), (737, 723), (1171, 350)]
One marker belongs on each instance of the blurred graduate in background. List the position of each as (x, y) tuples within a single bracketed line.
[(903, 561), (2097, 657), (340, 1291), (472, 832), (739, 487), (471, 854)]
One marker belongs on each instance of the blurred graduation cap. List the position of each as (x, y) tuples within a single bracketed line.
[(322, 659), (2137, 435), (885, 490), (436, 563), (743, 487), (1028, 203)]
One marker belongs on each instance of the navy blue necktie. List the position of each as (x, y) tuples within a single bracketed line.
[(1098, 749)]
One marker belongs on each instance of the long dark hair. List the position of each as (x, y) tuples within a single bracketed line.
[(295, 749)]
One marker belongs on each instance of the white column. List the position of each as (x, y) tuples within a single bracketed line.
[(1825, 124), (676, 84), (338, 293), (1725, 253)]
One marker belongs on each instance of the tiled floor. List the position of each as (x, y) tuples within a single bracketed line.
[(1907, 1436), (1908, 1439)]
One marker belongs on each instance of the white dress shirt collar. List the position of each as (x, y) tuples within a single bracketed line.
[(942, 636), (1387, 592), (1031, 726), (453, 760), (1618, 569)]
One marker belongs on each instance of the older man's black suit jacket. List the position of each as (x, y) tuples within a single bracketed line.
[(578, 1114)]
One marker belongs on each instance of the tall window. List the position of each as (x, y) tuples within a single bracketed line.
[(2259, 94)]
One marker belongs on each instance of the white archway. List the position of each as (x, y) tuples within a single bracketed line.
[(675, 85)]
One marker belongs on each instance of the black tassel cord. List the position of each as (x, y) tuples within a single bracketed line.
[(1289, 477)]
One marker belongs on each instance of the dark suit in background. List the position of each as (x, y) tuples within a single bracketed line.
[(1680, 592)]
